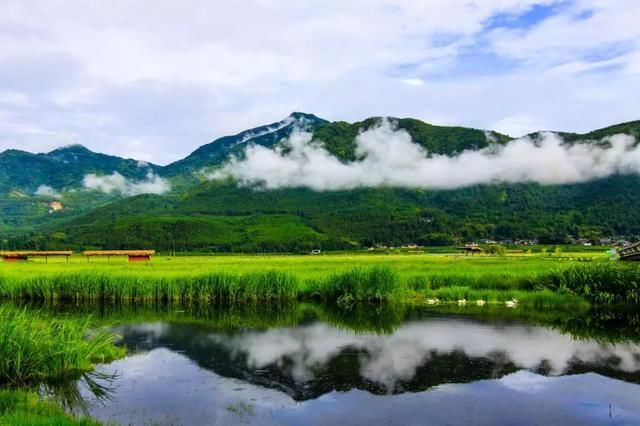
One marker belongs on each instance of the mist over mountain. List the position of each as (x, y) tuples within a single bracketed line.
[(305, 182)]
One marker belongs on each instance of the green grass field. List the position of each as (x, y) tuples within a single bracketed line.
[(307, 266), (333, 277)]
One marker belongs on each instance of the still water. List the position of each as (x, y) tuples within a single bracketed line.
[(422, 367)]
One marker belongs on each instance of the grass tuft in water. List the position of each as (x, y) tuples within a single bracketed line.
[(35, 348)]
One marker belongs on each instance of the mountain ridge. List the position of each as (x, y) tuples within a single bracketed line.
[(214, 151), (218, 215)]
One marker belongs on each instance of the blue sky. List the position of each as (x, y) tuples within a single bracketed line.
[(154, 80)]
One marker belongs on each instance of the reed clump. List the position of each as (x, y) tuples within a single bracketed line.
[(35, 349), (203, 288), (598, 282), (475, 281), (376, 284)]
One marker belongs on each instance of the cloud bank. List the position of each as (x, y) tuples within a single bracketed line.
[(47, 191), (116, 183), (136, 78), (388, 157)]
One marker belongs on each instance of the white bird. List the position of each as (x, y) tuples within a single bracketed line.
[(511, 303), (462, 302), (432, 301), (480, 302)]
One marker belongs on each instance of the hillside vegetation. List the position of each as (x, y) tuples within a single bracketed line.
[(222, 216)]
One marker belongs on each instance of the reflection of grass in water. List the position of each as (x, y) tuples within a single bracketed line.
[(241, 408), (67, 393), (601, 325), (20, 407), (578, 320), (363, 318), (223, 316)]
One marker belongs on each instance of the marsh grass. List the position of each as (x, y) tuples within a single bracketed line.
[(532, 280), (204, 288), (20, 407), (476, 281), (35, 348), (376, 284), (598, 282)]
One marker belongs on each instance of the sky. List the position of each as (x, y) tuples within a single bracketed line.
[(153, 80)]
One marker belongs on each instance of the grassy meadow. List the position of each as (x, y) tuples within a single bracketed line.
[(534, 279)]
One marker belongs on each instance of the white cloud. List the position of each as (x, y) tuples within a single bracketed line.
[(389, 157), (173, 76), (416, 82), (117, 183), (565, 37), (47, 191), (518, 125)]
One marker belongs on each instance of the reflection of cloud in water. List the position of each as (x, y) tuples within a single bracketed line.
[(147, 332), (163, 387), (395, 357)]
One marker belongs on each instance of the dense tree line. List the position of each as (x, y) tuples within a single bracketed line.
[(225, 218)]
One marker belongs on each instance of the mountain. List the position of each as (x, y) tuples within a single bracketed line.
[(31, 185), (62, 168), (221, 216), (217, 151)]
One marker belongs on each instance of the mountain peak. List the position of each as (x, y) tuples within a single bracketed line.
[(70, 149), (303, 116)]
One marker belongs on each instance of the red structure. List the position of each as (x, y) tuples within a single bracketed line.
[(133, 255)]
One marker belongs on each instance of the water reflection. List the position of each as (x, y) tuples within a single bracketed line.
[(311, 359), (316, 364), (166, 387)]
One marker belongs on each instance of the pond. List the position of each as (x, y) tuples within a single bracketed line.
[(310, 365)]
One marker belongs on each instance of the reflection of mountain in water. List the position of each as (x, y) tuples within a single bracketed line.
[(312, 359)]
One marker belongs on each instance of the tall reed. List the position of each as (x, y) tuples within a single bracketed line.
[(378, 284), (207, 287), (34, 349), (599, 282)]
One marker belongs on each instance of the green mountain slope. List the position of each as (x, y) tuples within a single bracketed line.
[(62, 168), (219, 150), (62, 171), (224, 217)]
